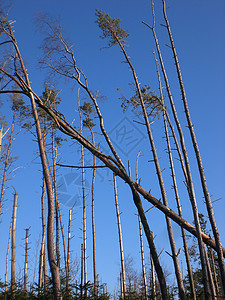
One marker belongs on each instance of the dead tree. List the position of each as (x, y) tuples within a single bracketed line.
[(107, 25), (197, 154), (184, 151), (189, 269)]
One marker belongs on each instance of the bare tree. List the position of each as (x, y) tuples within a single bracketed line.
[(197, 153)]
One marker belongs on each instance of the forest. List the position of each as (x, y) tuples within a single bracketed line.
[(104, 192)]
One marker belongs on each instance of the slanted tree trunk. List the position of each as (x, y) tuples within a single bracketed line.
[(50, 227), (198, 155), (190, 274), (184, 150), (159, 174), (141, 241), (13, 245), (26, 260), (123, 275), (153, 279), (143, 260)]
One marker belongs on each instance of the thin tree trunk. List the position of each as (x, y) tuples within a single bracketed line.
[(214, 271), (13, 245), (7, 257), (64, 240), (26, 260), (143, 261), (198, 156), (120, 239), (41, 263), (84, 203), (190, 274), (6, 164), (141, 241), (211, 282), (82, 271), (54, 158), (68, 250), (93, 222), (190, 183), (153, 279)]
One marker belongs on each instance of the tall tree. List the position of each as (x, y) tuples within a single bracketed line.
[(117, 36), (197, 153)]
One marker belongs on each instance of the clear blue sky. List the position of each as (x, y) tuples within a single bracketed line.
[(198, 29)]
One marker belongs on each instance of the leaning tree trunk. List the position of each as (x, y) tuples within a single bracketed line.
[(141, 241), (189, 269), (123, 275), (159, 174), (50, 227), (184, 150), (198, 156)]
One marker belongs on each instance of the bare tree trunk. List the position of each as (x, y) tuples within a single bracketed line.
[(190, 275), (6, 164), (214, 271), (41, 262), (84, 204), (141, 241), (184, 150), (7, 257), (123, 276), (63, 239), (159, 174), (211, 282), (198, 156), (143, 261), (153, 279), (13, 245), (54, 158), (26, 260), (93, 222), (81, 271)]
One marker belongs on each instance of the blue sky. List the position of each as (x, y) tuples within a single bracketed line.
[(198, 31)]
